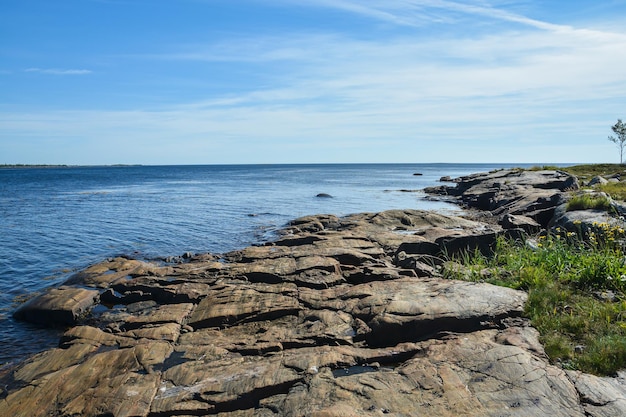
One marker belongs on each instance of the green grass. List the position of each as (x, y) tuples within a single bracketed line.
[(544, 168), (589, 171), (589, 202), (617, 191), (565, 280)]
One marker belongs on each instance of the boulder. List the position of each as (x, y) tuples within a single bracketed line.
[(510, 221), (597, 180)]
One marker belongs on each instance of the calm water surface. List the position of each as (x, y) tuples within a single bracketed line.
[(55, 221)]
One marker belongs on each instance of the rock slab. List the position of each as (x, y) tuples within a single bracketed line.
[(63, 305)]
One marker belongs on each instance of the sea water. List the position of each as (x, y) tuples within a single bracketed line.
[(56, 221)]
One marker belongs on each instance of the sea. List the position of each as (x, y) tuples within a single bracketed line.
[(55, 221)]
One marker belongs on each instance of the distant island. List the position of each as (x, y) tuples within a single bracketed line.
[(31, 166), (62, 165)]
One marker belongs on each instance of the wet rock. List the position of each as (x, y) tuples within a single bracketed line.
[(114, 270), (58, 306)]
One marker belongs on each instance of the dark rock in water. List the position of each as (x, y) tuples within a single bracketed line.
[(324, 195), (418, 174)]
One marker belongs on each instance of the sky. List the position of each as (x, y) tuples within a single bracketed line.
[(93, 82)]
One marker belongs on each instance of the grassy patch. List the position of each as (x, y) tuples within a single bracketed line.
[(589, 202), (617, 191), (593, 170), (576, 295), (544, 168)]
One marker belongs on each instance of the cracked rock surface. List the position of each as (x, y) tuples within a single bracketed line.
[(338, 317)]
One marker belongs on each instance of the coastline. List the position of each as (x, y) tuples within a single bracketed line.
[(335, 305), (60, 221)]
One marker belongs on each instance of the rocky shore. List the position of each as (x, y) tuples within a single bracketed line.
[(338, 317)]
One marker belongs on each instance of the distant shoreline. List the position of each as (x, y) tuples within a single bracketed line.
[(13, 166)]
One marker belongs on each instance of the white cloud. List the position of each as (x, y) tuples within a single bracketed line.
[(566, 64), (420, 12), (57, 71)]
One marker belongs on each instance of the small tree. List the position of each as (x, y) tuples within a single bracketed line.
[(620, 139)]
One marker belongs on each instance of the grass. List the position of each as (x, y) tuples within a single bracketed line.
[(576, 293), (592, 170), (544, 167), (617, 191), (589, 202)]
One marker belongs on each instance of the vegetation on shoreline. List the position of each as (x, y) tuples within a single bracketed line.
[(576, 281), (585, 172), (589, 202), (617, 190), (576, 292), (588, 171)]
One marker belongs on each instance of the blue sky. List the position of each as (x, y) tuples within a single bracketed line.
[(310, 81)]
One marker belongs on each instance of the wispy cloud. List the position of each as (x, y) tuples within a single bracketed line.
[(58, 71), (338, 93), (573, 63), (420, 12)]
